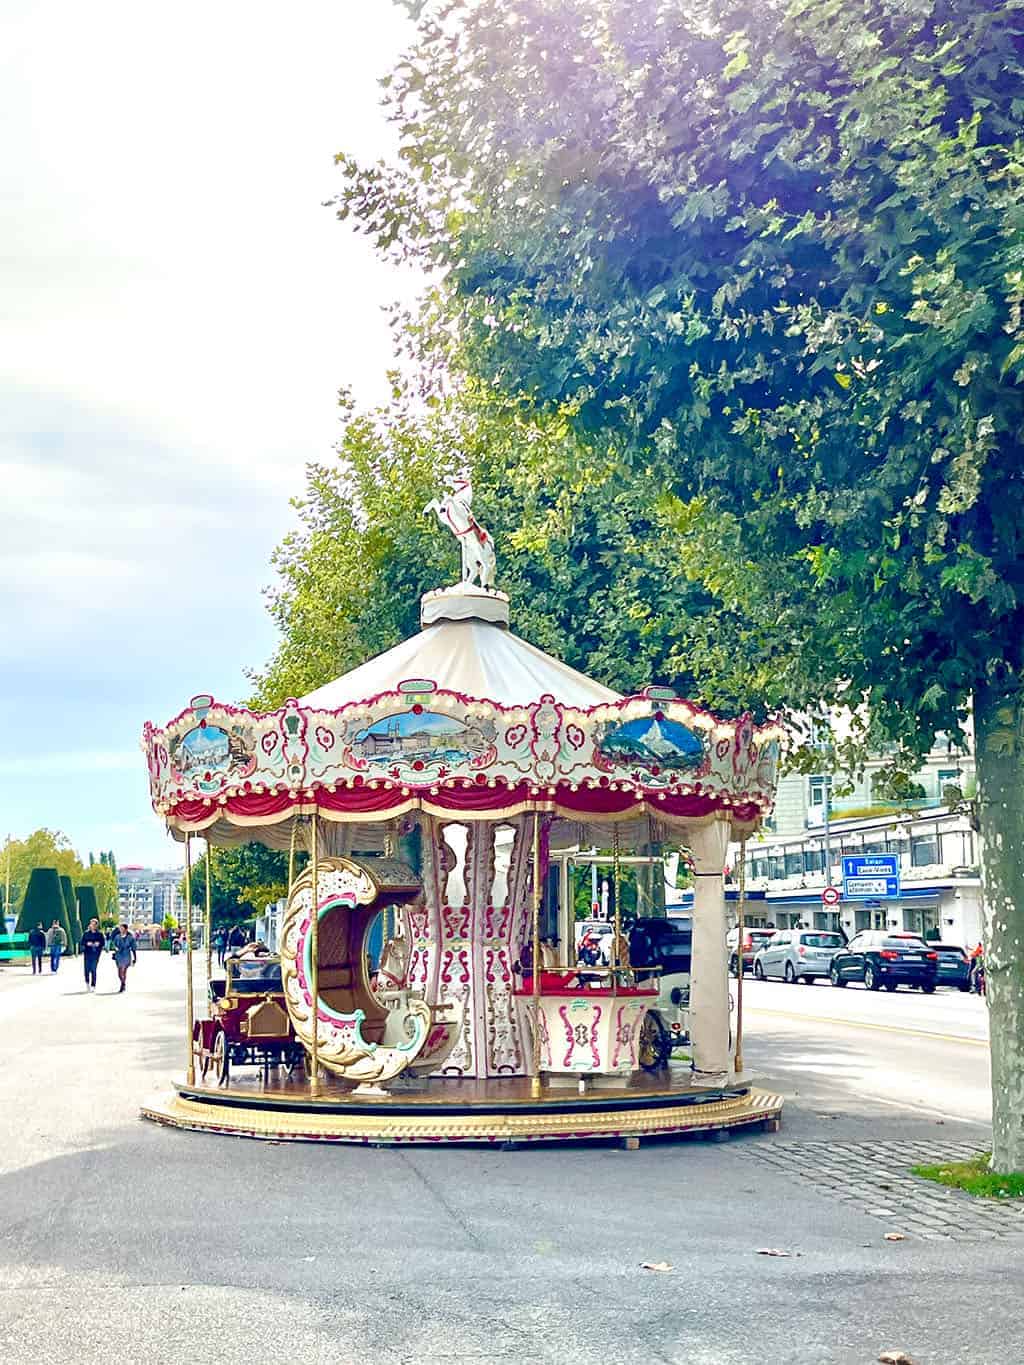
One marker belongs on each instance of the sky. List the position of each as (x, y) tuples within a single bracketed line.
[(177, 313)]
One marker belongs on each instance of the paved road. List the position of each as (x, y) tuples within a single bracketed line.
[(852, 1050), (120, 1241)]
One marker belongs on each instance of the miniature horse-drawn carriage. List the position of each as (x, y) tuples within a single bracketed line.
[(248, 1024)]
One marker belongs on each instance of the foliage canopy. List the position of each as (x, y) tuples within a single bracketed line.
[(775, 256)]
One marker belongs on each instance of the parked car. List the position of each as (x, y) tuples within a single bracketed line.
[(797, 954), (752, 940), (885, 959), (954, 966)]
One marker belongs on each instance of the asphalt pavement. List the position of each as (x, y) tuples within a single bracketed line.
[(854, 1052), (123, 1241)]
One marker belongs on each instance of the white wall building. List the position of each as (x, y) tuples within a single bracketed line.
[(931, 836), (148, 895)]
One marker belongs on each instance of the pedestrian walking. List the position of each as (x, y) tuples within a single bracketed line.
[(37, 946), (92, 946), (237, 938), (220, 939), (122, 945), (56, 941)]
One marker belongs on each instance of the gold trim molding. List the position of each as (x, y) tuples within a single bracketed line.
[(273, 1124)]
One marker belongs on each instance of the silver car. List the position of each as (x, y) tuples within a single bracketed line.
[(797, 955)]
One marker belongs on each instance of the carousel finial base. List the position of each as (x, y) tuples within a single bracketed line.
[(485, 1112)]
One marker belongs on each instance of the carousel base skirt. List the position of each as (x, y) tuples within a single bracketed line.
[(497, 1111)]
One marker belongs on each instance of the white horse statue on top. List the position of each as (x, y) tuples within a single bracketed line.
[(455, 512)]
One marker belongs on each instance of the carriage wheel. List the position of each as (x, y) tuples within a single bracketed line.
[(200, 1052), (655, 1043), (200, 1057), (221, 1057)]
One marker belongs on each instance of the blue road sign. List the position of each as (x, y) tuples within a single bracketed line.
[(869, 875)]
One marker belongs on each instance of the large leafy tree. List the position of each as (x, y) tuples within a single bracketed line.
[(775, 254), (42, 848), (103, 882), (52, 848), (244, 880), (593, 572)]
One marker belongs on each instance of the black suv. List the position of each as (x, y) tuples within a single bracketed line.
[(885, 959)]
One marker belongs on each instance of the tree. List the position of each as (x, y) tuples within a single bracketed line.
[(773, 253), (592, 575), (88, 908), (43, 848), (71, 909), (243, 880), (44, 902), (103, 881)]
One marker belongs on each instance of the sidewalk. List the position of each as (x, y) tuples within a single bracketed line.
[(231, 1251)]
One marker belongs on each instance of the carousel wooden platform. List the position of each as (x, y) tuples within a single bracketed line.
[(491, 1112)]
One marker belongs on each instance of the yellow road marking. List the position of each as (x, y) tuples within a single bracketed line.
[(880, 1028)]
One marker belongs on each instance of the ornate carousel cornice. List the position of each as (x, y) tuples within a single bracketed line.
[(419, 746)]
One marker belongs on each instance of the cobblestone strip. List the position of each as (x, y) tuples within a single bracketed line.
[(875, 1177)]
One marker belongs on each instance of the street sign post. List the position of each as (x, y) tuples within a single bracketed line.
[(870, 875)]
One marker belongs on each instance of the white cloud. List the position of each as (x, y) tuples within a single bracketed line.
[(179, 311)]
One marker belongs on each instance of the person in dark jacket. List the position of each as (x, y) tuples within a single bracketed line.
[(37, 947), (92, 945), (122, 945), (237, 938)]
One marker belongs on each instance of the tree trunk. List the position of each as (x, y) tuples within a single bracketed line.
[(999, 739)]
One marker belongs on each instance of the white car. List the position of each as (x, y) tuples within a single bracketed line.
[(797, 955)]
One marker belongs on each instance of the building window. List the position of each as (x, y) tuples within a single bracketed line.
[(794, 864), (924, 850), (816, 792)]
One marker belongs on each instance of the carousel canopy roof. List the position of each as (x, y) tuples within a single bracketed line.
[(465, 647), (462, 721)]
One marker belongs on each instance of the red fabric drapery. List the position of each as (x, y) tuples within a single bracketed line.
[(379, 802)]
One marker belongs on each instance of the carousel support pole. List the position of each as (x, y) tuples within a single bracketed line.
[(709, 973), (291, 858), (535, 1083), (741, 906), (190, 1070), (617, 876), (314, 953), (389, 914), (208, 922)]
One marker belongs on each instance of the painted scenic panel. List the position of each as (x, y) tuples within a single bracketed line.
[(649, 743), (210, 749), (428, 737)]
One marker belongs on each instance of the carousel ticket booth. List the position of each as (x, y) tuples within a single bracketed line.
[(430, 788)]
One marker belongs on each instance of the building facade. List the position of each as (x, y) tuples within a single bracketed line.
[(931, 835), (148, 895)]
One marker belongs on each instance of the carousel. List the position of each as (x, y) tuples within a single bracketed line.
[(426, 986)]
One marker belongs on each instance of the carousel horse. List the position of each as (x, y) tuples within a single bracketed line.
[(454, 511)]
